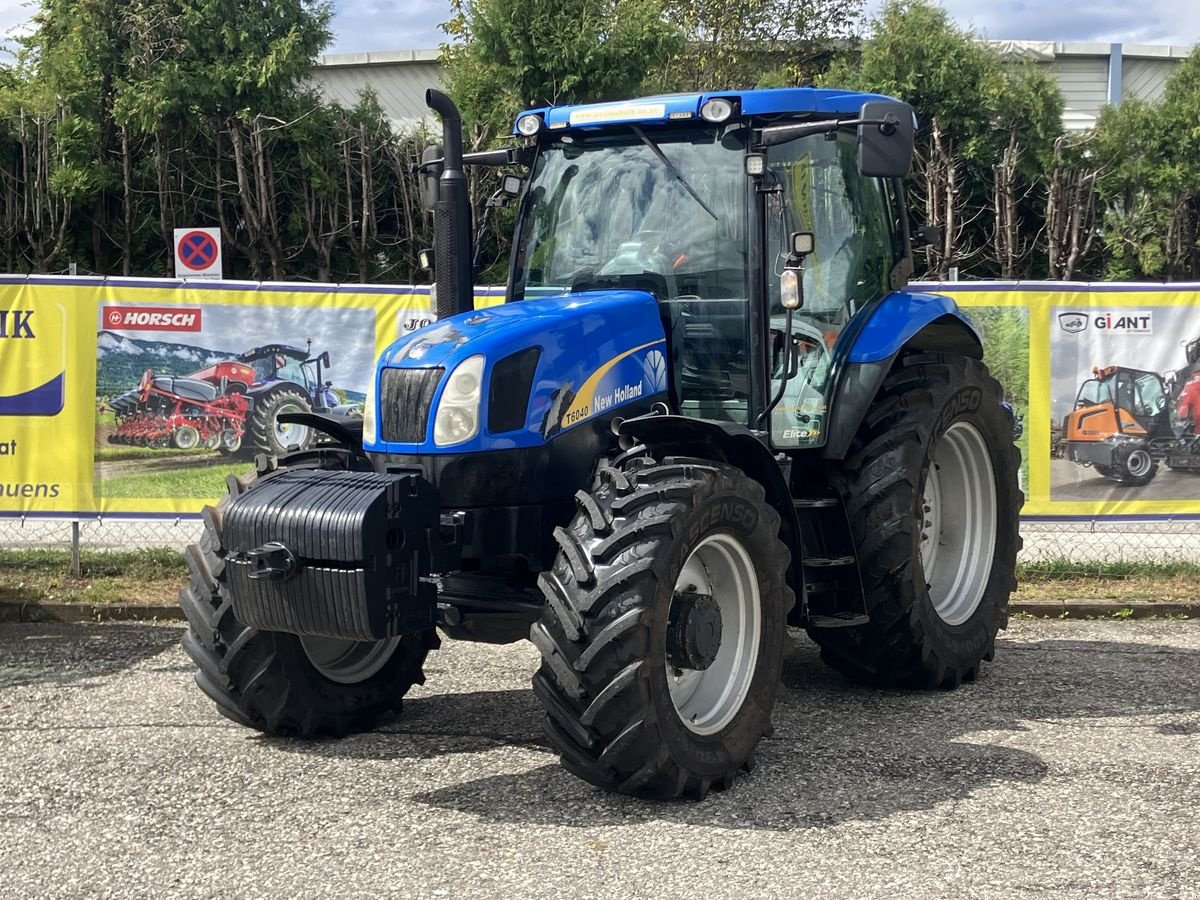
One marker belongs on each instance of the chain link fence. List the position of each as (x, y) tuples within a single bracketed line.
[(1076, 546)]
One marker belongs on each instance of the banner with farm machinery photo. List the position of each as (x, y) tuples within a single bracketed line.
[(1106, 392), (139, 397)]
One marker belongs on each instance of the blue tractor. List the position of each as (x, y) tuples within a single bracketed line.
[(710, 408)]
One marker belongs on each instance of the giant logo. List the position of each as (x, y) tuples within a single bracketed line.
[(1136, 321), (32, 361), (1072, 322)]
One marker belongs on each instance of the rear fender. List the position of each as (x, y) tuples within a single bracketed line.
[(729, 443), (902, 323)]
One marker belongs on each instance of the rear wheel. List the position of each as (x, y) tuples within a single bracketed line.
[(266, 433), (662, 637), (930, 485), (281, 683)]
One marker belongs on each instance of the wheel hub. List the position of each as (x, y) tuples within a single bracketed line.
[(694, 631)]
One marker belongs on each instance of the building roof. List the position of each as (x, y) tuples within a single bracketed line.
[(1090, 76)]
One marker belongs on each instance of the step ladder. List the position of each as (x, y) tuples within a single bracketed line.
[(833, 594)]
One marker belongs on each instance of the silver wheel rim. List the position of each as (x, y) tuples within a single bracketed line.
[(346, 661), (1139, 463), (707, 700), (186, 437), (287, 433), (958, 533)]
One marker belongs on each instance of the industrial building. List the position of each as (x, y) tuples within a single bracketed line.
[(1090, 76)]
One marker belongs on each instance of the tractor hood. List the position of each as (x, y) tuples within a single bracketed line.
[(543, 367)]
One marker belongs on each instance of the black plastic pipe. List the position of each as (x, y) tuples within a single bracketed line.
[(452, 260)]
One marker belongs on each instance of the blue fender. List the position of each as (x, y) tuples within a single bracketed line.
[(899, 318), (864, 355)]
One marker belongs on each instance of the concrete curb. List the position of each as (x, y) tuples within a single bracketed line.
[(1040, 609), (1082, 609), (83, 612)]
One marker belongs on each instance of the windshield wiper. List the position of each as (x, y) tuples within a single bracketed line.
[(674, 171)]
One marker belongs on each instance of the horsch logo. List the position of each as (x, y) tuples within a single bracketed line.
[(1133, 321), (150, 318)]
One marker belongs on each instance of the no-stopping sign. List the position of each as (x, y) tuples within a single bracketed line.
[(197, 252)]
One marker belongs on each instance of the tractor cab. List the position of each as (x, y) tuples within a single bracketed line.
[(761, 222), (279, 362), (1119, 401)]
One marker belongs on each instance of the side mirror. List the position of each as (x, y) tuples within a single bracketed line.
[(926, 236), (324, 357), (885, 139), (430, 173)]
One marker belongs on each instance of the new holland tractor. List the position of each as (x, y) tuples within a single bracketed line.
[(710, 408)]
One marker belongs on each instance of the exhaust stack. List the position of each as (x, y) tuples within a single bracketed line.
[(453, 275)]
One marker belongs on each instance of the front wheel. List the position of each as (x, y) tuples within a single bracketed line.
[(662, 637), (930, 485), (278, 683), (1133, 465)]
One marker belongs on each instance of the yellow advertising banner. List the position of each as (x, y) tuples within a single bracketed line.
[(138, 397), (1104, 379)]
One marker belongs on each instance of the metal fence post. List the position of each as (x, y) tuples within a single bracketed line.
[(75, 571)]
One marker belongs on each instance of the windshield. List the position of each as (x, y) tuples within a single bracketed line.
[(667, 204)]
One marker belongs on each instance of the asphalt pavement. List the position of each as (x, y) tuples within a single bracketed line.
[(1070, 769)]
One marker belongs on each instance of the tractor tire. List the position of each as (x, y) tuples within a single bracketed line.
[(643, 693), (1133, 466), (934, 457), (265, 435), (278, 683)]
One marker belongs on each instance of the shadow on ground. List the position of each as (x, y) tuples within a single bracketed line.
[(51, 652), (839, 753)]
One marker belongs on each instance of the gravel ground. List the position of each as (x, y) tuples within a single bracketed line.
[(1071, 769)]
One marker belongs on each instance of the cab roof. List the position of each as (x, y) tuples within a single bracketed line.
[(685, 107)]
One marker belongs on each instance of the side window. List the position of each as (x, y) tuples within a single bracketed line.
[(850, 216), (853, 224), (1091, 393)]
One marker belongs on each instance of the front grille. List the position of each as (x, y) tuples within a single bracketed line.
[(405, 396)]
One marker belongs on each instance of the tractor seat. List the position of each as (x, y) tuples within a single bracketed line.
[(187, 388)]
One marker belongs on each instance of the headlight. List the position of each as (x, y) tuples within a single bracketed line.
[(458, 411), (369, 435)]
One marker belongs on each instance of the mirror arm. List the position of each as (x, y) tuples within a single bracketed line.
[(505, 156)]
